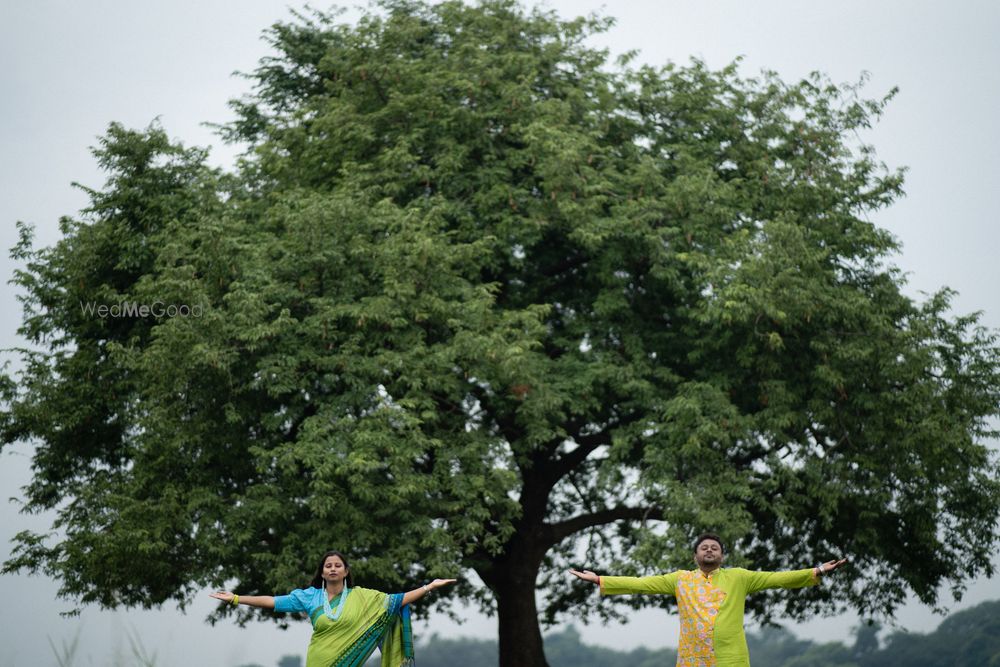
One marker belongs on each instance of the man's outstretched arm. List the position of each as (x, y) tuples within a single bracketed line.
[(662, 584), (759, 581)]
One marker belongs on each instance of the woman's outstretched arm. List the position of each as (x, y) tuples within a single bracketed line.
[(417, 593), (262, 601)]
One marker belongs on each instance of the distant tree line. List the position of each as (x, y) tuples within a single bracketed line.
[(969, 638)]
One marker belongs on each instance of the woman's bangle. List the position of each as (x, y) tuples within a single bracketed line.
[(236, 600), (426, 589)]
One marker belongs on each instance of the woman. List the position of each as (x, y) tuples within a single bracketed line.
[(348, 623)]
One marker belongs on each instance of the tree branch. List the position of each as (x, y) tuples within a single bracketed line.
[(556, 532), (586, 445)]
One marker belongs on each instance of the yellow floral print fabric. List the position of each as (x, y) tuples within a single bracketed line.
[(698, 603)]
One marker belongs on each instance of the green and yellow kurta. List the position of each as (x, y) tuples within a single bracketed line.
[(710, 608)]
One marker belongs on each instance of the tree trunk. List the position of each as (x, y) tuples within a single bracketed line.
[(514, 576), (520, 638)]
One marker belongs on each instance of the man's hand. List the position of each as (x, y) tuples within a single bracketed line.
[(586, 575), (830, 565)]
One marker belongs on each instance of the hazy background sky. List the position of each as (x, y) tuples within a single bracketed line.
[(70, 67)]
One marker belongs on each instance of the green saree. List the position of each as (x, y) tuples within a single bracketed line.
[(348, 628)]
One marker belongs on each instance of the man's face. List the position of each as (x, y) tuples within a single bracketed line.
[(708, 554)]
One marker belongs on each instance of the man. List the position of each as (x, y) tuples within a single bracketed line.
[(710, 601)]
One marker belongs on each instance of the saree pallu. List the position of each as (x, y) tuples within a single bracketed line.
[(368, 620)]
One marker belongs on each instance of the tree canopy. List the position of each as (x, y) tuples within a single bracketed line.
[(477, 299)]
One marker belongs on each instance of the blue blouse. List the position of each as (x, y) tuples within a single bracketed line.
[(300, 600)]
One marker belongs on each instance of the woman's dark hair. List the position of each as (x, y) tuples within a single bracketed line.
[(708, 536), (317, 580)]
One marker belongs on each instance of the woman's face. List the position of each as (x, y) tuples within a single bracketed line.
[(334, 569)]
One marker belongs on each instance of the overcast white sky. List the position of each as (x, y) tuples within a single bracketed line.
[(70, 67)]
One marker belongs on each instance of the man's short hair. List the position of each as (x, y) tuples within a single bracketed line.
[(709, 536)]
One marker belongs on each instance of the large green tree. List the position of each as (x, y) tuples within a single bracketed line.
[(476, 300)]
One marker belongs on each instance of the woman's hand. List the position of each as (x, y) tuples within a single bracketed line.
[(225, 596), (586, 575), (438, 583), (418, 593)]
